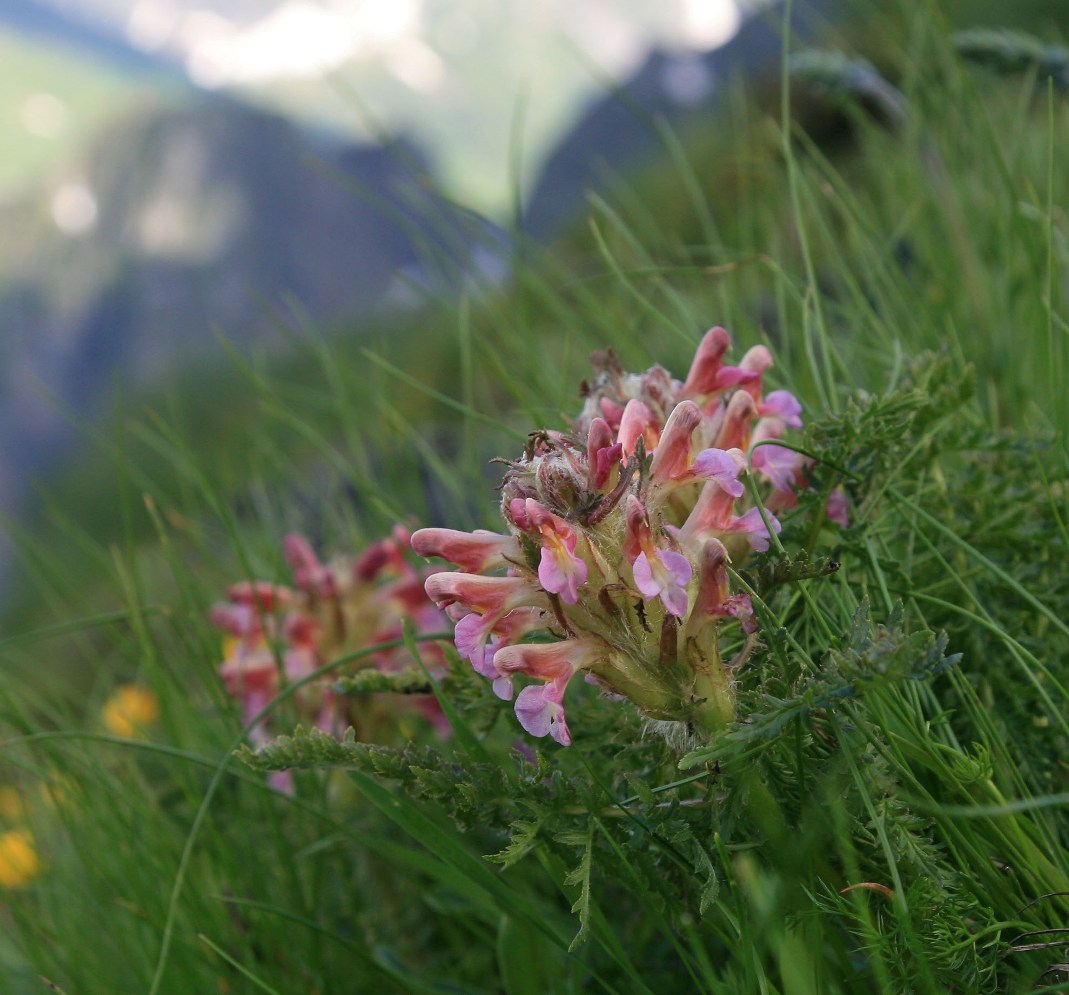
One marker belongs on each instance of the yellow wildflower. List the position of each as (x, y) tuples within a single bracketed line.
[(130, 710), (19, 863)]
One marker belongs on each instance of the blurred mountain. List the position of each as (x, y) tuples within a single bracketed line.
[(623, 130), (205, 217)]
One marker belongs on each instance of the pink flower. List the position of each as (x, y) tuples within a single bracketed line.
[(753, 526), (485, 595), (260, 594), (473, 635), (754, 363), (540, 709), (665, 574), (737, 425), (471, 551), (308, 573), (712, 511), (470, 637), (780, 465), (723, 466), (658, 572), (611, 412), (240, 620), (739, 606), (560, 571), (674, 455), (543, 661), (782, 404), (383, 556), (637, 423), (603, 454)]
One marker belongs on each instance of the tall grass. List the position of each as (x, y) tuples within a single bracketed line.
[(889, 812)]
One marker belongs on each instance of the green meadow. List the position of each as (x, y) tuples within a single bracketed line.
[(887, 809)]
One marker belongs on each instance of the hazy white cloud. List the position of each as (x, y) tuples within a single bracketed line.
[(151, 24), (304, 38), (709, 24)]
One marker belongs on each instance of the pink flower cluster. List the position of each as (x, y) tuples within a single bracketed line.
[(277, 635), (619, 535)]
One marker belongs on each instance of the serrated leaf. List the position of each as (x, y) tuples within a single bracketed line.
[(308, 748), (523, 840), (641, 790), (581, 876), (710, 886)]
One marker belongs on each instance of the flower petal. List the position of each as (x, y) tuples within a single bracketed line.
[(723, 466), (540, 710)]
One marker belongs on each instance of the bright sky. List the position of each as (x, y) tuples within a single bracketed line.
[(308, 38)]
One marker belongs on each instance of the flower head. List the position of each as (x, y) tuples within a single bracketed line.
[(617, 535), (130, 711), (279, 635)]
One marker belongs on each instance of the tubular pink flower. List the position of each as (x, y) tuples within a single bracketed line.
[(543, 661), (674, 455), (737, 425), (714, 599), (713, 589), (665, 574), (603, 454), (753, 366), (493, 595), (637, 423), (782, 404), (474, 552), (611, 412), (637, 535), (740, 607), (706, 365), (381, 557), (478, 637), (300, 630), (711, 513), (250, 670), (709, 377), (489, 599), (560, 571), (308, 573)]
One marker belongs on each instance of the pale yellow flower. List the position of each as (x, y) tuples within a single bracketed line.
[(19, 863), (130, 710)]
